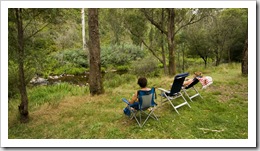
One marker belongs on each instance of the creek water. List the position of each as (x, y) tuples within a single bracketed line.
[(80, 79)]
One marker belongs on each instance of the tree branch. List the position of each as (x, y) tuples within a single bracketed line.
[(149, 48), (37, 31), (153, 22), (40, 12), (190, 22)]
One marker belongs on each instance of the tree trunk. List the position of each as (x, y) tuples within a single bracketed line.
[(95, 77), (164, 61), (162, 45), (205, 62), (83, 29), (171, 45), (245, 59), (217, 57), (229, 55), (23, 107)]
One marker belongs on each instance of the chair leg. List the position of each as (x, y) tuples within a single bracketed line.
[(185, 91), (197, 92), (195, 95), (136, 118), (146, 119), (150, 114), (175, 108), (185, 100)]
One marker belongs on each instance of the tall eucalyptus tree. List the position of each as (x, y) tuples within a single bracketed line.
[(95, 77), (83, 29)]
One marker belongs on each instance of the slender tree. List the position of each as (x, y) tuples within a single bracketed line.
[(95, 77), (26, 24), (163, 43), (83, 28), (23, 107)]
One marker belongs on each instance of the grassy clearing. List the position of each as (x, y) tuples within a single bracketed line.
[(70, 112)]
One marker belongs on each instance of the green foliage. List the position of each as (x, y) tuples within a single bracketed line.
[(69, 61), (68, 68), (69, 36), (77, 57), (103, 70), (38, 43), (160, 65), (75, 71), (122, 68), (12, 79), (51, 94), (112, 80), (136, 23), (216, 37), (145, 67), (112, 26), (120, 54)]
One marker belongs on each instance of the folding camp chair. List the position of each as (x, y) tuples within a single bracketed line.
[(175, 92), (192, 85), (146, 105)]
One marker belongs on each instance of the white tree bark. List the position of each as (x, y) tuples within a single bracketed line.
[(83, 29)]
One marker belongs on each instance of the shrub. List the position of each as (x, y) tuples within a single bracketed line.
[(112, 80), (123, 68), (76, 57), (76, 71), (13, 78), (146, 67), (103, 70), (120, 54)]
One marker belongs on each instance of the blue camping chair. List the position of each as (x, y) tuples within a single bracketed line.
[(175, 92), (192, 86), (145, 105)]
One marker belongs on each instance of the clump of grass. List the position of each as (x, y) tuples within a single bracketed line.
[(53, 93), (113, 80), (41, 95)]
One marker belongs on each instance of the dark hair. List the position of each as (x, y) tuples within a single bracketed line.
[(142, 82)]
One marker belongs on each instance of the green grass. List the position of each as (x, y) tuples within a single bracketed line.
[(71, 112)]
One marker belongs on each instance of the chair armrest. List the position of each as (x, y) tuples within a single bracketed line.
[(163, 90), (125, 100)]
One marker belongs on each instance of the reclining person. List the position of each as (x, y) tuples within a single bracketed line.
[(204, 80)]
